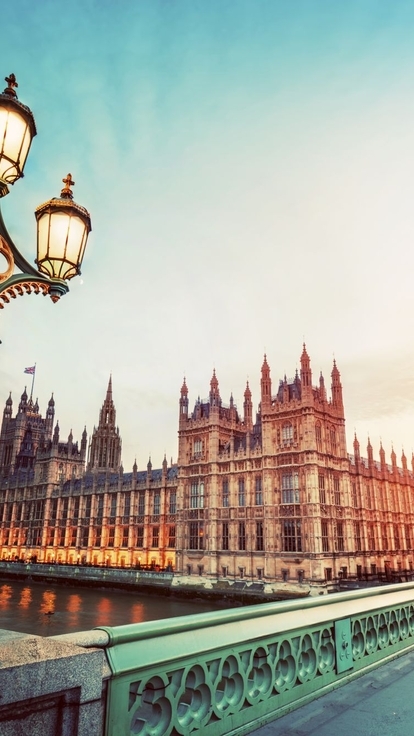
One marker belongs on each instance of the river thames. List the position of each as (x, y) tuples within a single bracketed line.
[(48, 610)]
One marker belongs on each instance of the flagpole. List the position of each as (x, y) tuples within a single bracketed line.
[(33, 377)]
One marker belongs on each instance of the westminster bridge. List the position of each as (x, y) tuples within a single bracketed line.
[(227, 672)]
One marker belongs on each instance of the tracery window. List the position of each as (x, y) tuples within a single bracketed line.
[(242, 535), (242, 496), (290, 488), (287, 433), (259, 536), (258, 496), (225, 493), (292, 535), (196, 540), (197, 495)]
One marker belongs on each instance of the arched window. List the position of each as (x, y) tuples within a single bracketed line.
[(318, 436), (287, 433), (198, 448), (332, 437)]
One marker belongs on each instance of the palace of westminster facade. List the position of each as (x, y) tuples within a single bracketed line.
[(268, 497)]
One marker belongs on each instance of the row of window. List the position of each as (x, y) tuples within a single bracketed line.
[(291, 536), (288, 435), (241, 492), (61, 508), (86, 536)]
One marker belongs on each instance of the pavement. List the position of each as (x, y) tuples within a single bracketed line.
[(380, 703)]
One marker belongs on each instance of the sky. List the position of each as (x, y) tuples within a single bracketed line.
[(247, 165)]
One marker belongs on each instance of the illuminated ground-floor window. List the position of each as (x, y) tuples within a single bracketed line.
[(196, 535)]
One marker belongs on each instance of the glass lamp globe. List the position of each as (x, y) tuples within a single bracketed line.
[(17, 129), (62, 232)]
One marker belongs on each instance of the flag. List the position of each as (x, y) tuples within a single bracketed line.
[(30, 370)]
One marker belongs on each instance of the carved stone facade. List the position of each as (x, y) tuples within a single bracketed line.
[(271, 496), (280, 498)]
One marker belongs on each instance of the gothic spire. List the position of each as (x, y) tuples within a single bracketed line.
[(105, 448), (266, 384)]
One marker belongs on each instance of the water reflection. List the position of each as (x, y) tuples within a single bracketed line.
[(48, 602), (6, 592), (25, 598), (48, 610), (74, 608), (74, 603)]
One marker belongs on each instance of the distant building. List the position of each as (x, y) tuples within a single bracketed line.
[(266, 495), (53, 509)]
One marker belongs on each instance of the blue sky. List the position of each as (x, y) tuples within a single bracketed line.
[(248, 170)]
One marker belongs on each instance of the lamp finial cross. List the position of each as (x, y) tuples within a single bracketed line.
[(66, 192), (11, 81)]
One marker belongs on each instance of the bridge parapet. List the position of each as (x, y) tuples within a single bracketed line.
[(226, 672), (230, 672)]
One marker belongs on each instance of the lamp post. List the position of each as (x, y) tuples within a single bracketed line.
[(62, 225)]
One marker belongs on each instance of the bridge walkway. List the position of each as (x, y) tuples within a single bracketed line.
[(380, 703)]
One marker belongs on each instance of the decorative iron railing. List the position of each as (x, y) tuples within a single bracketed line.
[(230, 672)]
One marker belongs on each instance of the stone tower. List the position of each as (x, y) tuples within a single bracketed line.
[(106, 444), (23, 433)]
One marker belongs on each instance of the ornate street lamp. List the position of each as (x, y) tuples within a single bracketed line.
[(62, 225)]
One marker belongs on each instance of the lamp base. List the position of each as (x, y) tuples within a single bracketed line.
[(57, 288)]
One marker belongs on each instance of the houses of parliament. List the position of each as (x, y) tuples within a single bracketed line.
[(263, 495)]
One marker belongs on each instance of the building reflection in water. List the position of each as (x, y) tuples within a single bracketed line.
[(74, 603), (5, 595), (25, 598), (48, 602), (137, 613), (49, 610), (74, 607)]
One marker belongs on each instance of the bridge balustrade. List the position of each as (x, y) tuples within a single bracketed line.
[(230, 672)]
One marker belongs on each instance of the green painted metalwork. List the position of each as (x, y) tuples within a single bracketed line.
[(230, 672), (343, 648)]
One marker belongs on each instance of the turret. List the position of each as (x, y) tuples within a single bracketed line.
[(56, 435), (357, 454), (70, 442), (23, 401), (265, 385), (337, 401), (404, 461), (164, 466), (149, 469), (305, 376), (248, 408), (370, 454), (50, 416), (382, 458), (84, 445), (322, 389), (8, 409), (393, 459), (214, 391), (285, 390), (305, 369), (233, 411), (184, 401)]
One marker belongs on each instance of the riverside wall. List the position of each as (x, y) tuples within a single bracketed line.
[(228, 592)]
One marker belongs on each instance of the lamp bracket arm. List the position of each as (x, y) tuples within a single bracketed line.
[(19, 260), (20, 284)]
